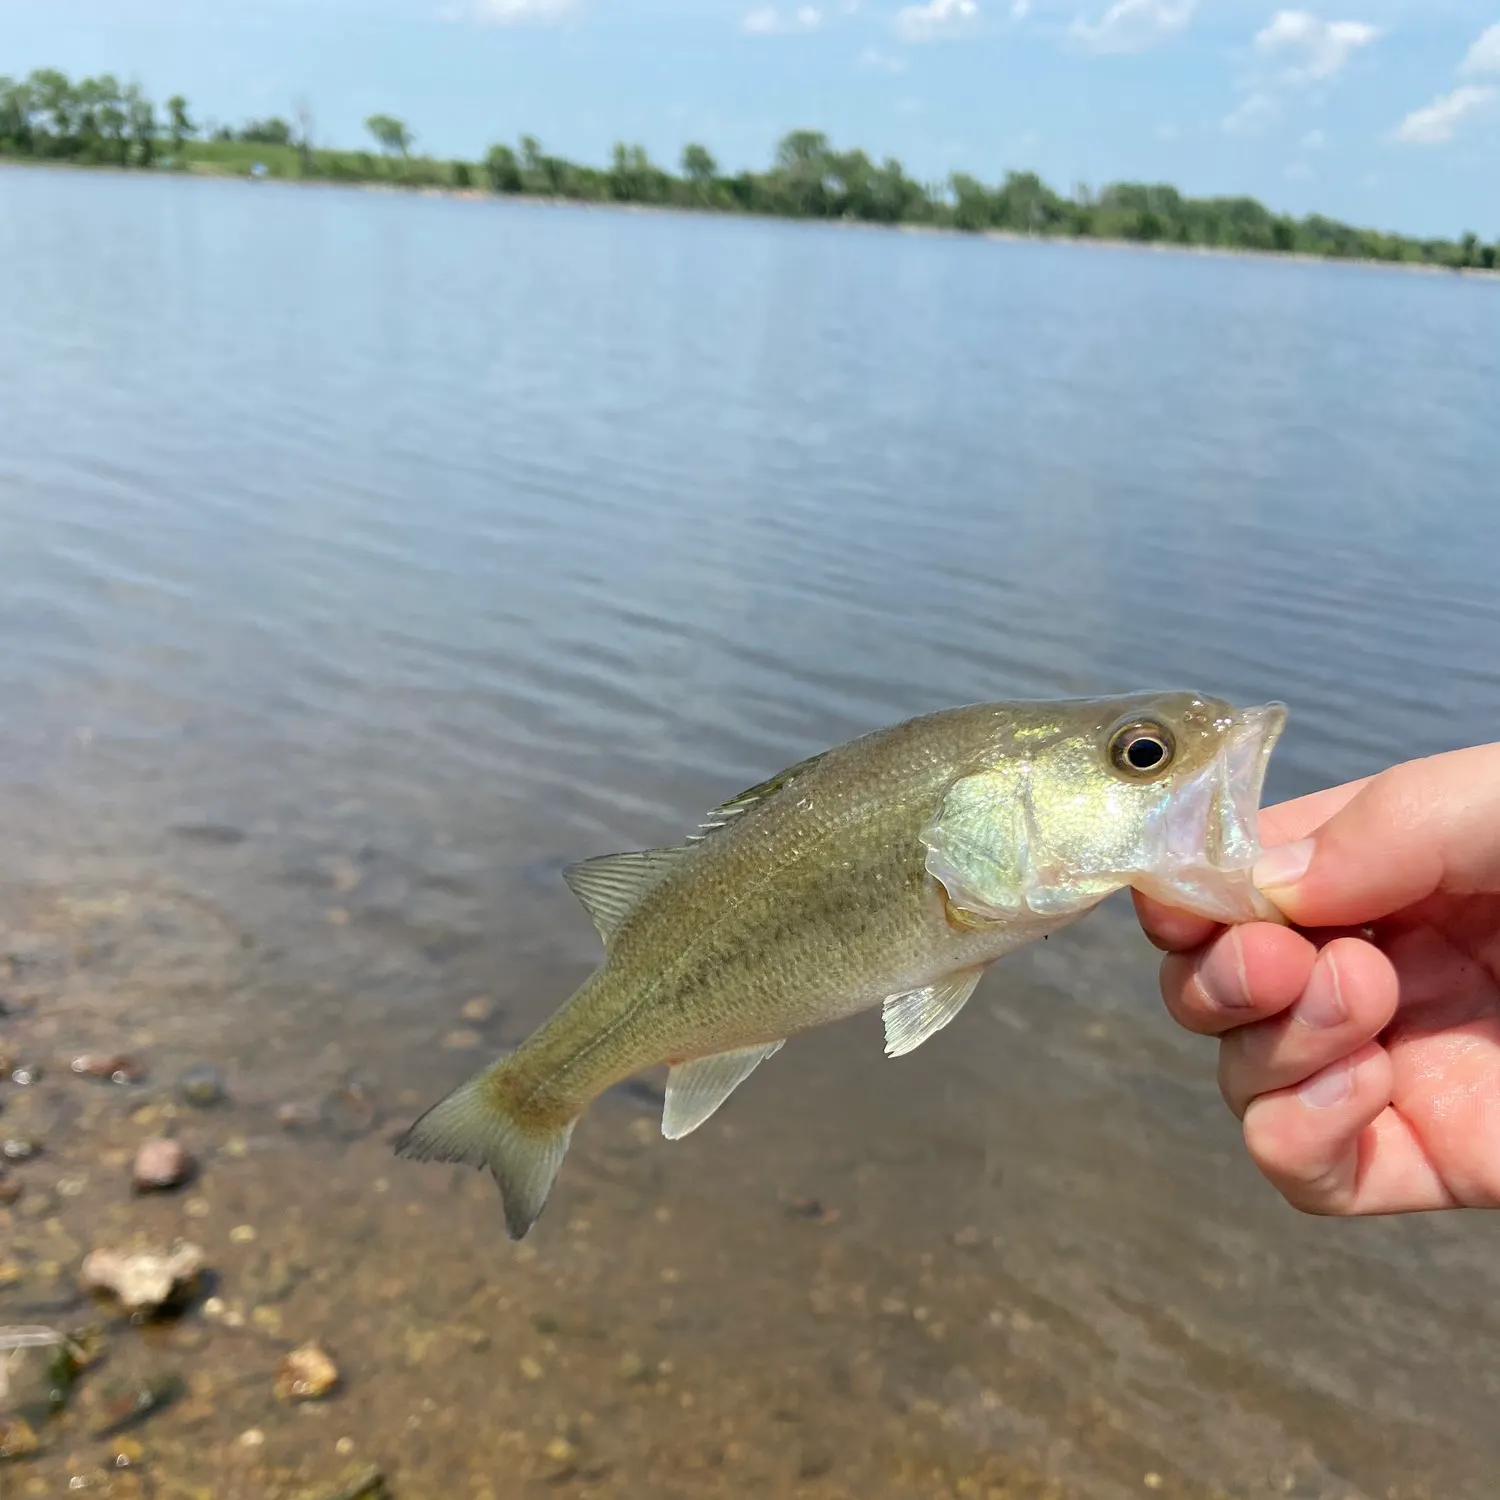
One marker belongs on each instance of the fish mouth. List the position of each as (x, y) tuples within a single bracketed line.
[(1208, 830)]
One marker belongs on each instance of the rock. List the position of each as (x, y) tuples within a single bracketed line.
[(306, 1374), (144, 1281), (161, 1164), (110, 1067), (479, 1009), (17, 1440), (814, 1209), (203, 1087), (10, 1190), (463, 1040), (128, 1403), (299, 1115), (23, 1075), (19, 1148)]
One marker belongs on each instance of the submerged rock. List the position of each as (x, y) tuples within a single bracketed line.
[(203, 1087), (126, 1404), (17, 1439), (143, 1281), (19, 1148), (161, 1164), (110, 1067), (306, 1374)]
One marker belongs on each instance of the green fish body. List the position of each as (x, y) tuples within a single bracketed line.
[(890, 871)]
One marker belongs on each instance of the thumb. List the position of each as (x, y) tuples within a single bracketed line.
[(1426, 827)]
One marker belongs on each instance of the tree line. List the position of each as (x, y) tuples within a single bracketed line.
[(99, 121)]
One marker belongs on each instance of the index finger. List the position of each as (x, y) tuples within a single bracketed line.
[(1174, 930)]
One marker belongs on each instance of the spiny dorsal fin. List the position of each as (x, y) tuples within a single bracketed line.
[(726, 812), (696, 1089), (612, 885), (913, 1017)]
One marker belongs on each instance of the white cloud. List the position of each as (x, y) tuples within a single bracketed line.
[(937, 18), (1484, 55), (519, 12), (1020, 9), (1435, 123), (1314, 140), (1134, 25), (1252, 115), (880, 62), (1298, 171), (768, 21), (1316, 48)]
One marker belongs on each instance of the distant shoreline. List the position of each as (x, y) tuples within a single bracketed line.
[(206, 172)]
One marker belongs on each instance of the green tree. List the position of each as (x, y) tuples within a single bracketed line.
[(52, 96), (803, 159), (179, 123), (531, 156), (141, 122), (15, 116), (462, 177), (972, 207), (270, 132), (391, 134), (698, 166), (502, 170)]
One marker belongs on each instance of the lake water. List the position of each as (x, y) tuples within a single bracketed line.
[(366, 558)]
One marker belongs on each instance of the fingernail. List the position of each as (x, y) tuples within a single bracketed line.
[(1283, 865), (1331, 1086), (1322, 1003), (1221, 975)]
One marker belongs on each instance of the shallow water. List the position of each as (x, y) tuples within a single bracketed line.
[(366, 558)]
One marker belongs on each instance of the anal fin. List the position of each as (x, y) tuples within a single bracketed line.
[(913, 1017), (695, 1089)]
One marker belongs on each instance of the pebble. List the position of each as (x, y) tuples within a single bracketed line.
[(143, 1282), (160, 1164), (10, 1189), (306, 1374), (23, 1075), (18, 1148), (479, 1009), (203, 1087), (17, 1439), (530, 1368), (252, 1437), (111, 1067), (297, 1116), (462, 1040), (127, 1453), (242, 1234)]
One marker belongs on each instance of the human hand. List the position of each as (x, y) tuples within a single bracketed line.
[(1360, 1047)]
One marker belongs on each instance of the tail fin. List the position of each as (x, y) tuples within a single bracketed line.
[(473, 1125)]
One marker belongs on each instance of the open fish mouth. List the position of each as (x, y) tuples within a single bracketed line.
[(1205, 837)]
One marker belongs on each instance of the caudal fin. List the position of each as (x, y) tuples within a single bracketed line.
[(473, 1125)]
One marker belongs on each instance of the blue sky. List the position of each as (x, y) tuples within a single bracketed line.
[(1383, 112)]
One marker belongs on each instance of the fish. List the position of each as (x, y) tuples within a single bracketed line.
[(888, 871)]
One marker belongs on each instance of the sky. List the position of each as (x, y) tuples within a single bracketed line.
[(1379, 112)]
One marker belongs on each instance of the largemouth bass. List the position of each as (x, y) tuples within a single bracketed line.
[(891, 871)]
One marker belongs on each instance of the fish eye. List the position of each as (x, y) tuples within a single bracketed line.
[(1141, 749)]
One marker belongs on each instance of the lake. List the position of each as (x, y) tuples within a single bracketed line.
[(368, 557)]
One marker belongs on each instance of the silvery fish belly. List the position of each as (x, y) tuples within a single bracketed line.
[(890, 871)]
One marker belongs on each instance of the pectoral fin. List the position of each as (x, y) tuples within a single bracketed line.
[(913, 1017), (696, 1089)]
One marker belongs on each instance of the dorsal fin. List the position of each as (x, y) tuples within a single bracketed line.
[(726, 812), (611, 886)]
